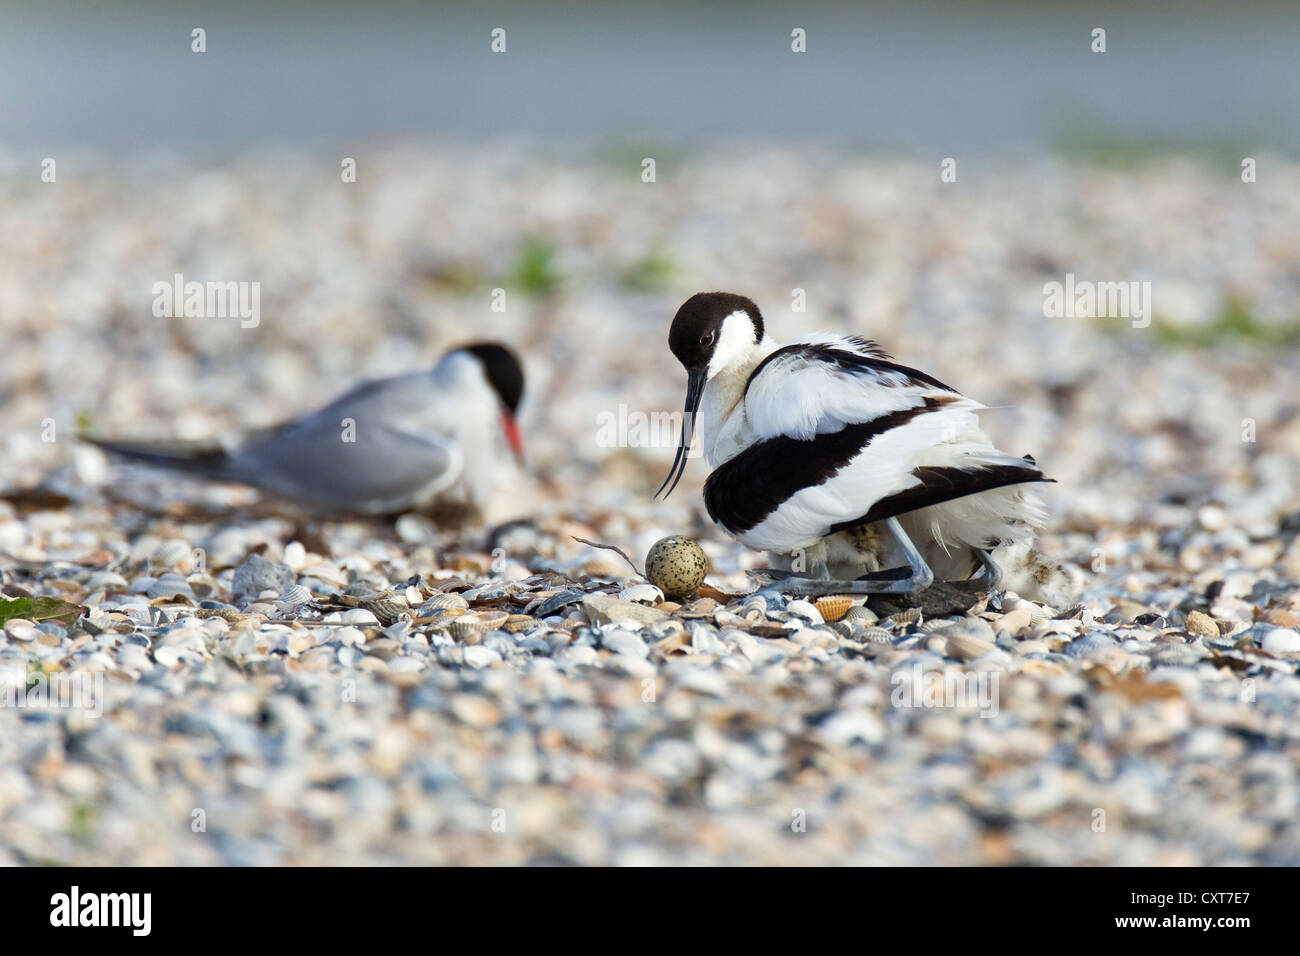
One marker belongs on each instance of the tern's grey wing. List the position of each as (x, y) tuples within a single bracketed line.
[(377, 448)]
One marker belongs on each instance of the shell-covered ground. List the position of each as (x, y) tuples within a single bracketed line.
[(268, 688)]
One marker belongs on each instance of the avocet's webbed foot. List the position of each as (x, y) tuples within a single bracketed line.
[(915, 577)]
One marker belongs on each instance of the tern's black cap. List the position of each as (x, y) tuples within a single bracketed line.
[(503, 371), (696, 327)]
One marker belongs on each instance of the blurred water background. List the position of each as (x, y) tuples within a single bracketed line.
[(917, 75)]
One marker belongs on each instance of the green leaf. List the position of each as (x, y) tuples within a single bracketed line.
[(38, 609)]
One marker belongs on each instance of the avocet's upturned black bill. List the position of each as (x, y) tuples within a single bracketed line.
[(821, 445), (694, 339), (437, 441), (694, 390)]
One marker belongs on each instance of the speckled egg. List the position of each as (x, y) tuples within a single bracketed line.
[(676, 565)]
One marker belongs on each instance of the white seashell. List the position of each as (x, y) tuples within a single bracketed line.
[(398, 630), (295, 555), (294, 596), (907, 617), (171, 553), (966, 647), (666, 627), (860, 612), (724, 618), (358, 615), (805, 611), (1015, 622), (1011, 601), (443, 602), (96, 622), (21, 630), (934, 624), (325, 572), (641, 594), (470, 627), (754, 608)]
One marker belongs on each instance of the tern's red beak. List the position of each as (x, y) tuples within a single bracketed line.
[(511, 428)]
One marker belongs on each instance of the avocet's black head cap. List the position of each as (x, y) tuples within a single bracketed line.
[(698, 324), (503, 371), (694, 336)]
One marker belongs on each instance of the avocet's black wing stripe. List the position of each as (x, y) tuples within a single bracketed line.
[(742, 492), (869, 359), (823, 383), (937, 485)]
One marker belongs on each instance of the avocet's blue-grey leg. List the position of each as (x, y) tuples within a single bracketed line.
[(892, 581), (992, 573), (992, 578), (922, 576)]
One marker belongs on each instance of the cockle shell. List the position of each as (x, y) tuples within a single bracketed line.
[(755, 608), (834, 606), (443, 602), (469, 628), (386, 611), (294, 596)]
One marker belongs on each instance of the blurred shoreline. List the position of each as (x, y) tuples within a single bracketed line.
[(896, 76)]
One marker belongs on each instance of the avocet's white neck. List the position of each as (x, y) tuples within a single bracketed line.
[(722, 428)]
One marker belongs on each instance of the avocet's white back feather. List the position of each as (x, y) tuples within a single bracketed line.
[(799, 394)]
